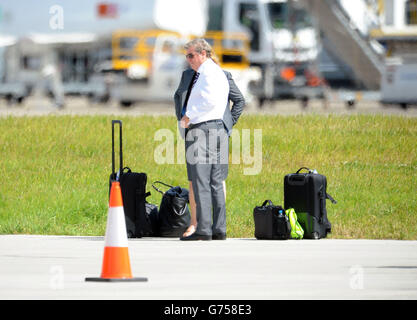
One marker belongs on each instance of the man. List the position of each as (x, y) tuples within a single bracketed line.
[(204, 105)]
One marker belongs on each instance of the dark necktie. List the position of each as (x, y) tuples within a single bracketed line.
[(192, 83)]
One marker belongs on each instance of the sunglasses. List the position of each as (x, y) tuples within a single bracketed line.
[(191, 55)]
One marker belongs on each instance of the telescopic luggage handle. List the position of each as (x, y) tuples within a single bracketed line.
[(113, 122)]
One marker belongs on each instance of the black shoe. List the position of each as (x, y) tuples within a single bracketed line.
[(218, 236), (196, 236)]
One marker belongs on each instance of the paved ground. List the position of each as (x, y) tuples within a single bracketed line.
[(38, 105), (55, 267)]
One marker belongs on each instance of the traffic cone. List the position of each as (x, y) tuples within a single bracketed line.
[(116, 263)]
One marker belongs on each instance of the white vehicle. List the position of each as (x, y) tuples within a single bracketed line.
[(283, 48), (148, 60), (29, 66), (12, 92), (399, 83), (72, 54), (283, 43), (398, 33), (147, 65), (232, 53), (56, 65)]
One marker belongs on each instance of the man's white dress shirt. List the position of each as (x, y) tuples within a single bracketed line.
[(209, 95)]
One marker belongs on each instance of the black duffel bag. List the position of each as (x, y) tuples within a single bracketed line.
[(174, 215)]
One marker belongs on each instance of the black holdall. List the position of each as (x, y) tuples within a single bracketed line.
[(271, 222), (174, 215), (133, 186), (152, 213), (306, 193)]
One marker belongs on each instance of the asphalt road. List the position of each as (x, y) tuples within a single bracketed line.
[(55, 267), (39, 105)]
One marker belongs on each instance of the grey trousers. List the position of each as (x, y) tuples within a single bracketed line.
[(207, 155)]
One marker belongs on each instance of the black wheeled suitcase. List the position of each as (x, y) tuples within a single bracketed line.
[(306, 193), (133, 186)]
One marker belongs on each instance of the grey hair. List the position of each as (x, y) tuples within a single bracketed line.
[(199, 45)]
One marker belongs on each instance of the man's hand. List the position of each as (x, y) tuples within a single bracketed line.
[(185, 122)]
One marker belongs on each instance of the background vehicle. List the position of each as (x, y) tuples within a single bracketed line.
[(232, 52), (283, 44), (147, 65)]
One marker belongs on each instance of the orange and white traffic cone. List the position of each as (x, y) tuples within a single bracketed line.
[(116, 263)]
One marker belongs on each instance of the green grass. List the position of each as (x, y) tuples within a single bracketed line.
[(55, 171)]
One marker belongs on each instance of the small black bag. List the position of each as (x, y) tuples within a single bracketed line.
[(153, 216), (271, 222), (174, 215)]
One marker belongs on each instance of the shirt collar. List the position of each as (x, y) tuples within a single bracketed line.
[(204, 65)]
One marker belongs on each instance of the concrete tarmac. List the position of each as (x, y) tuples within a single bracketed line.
[(40, 106), (55, 267)]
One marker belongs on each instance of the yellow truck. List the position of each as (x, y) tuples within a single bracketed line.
[(148, 63)]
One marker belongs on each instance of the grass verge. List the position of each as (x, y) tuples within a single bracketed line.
[(55, 170)]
